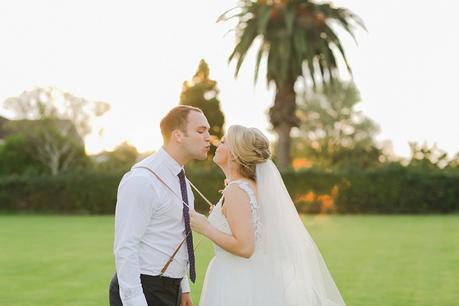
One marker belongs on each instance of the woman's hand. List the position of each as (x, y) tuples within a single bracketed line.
[(199, 223), (211, 208)]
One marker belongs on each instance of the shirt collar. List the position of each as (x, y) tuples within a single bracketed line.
[(170, 162)]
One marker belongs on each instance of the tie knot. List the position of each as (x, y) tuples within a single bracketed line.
[(181, 174)]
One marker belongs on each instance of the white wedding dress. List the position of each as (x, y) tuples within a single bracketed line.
[(286, 268)]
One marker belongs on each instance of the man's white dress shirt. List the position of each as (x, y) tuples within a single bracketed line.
[(149, 226)]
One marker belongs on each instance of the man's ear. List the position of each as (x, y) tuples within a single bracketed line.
[(177, 136)]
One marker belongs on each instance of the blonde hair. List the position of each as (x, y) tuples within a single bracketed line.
[(248, 147)]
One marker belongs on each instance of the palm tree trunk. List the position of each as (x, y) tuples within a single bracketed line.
[(283, 118), (283, 146)]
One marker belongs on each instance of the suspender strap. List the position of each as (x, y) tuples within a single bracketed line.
[(164, 183), (171, 258)]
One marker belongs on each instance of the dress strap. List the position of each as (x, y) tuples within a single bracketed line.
[(253, 205), (246, 187)]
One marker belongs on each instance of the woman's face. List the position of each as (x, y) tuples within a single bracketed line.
[(222, 153)]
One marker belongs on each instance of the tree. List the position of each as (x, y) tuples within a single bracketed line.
[(3, 131), (15, 158), (333, 134), (428, 158), (297, 40), (453, 164), (54, 143), (54, 124), (202, 92), (122, 158)]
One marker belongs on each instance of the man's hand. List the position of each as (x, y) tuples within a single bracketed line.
[(186, 299)]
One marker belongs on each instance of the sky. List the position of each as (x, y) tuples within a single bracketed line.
[(136, 54)]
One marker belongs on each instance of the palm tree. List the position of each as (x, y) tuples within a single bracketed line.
[(297, 40)]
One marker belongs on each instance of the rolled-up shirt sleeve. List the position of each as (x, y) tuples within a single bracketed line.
[(185, 285), (134, 208)]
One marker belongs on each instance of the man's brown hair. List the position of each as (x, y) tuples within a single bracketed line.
[(176, 119)]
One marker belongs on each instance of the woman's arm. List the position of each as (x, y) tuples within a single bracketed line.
[(237, 212)]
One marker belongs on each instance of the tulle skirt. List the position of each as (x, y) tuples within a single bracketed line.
[(233, 281)]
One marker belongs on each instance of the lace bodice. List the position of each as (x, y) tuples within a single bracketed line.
[(218, 220)]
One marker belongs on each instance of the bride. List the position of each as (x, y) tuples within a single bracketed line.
[(263, 253)]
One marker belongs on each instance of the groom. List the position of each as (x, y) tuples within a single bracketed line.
[(152, 217)]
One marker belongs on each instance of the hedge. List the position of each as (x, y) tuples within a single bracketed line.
[(387, 191)]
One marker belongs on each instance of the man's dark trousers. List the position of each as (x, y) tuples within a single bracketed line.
[(158, 291)]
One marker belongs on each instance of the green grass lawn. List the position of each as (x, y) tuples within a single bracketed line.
[(375, 260)]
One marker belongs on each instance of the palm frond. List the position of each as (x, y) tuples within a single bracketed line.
[(337, 43), (260, 53), (298, 38), (242, 47), (289, 16), (263, 19), (225, 17)]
